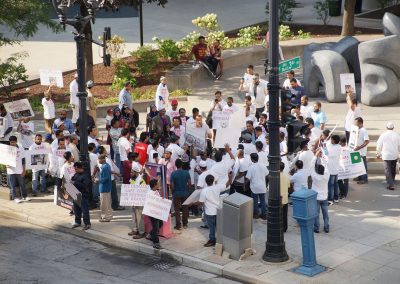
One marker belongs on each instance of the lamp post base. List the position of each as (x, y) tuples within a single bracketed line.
[(275, 253), (309, 270)]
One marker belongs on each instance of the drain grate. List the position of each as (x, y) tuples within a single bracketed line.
[(163, 265)]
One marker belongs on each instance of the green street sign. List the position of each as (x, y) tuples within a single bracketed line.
[(289, 64)]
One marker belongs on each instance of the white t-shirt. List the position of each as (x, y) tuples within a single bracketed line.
[(249, 148), (162, 93), (262, 93), (49, 111), (306, 111), (300, 179), (243, 166), (256, 174), (26, 139), (201, 182), (67, 171), (230, 109), (124, 147), (221, 169), (17, 170), (286, 83), (210, 197), (350, 117), (179, 131), (41, 146), (263, 159), (73, 90), (7, 124), (176, 151), (93, 162), (306, 157), (94, 141), (333, 158), (362, 136), (172, 113)]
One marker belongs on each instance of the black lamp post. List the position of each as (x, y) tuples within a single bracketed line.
[(275, 246)]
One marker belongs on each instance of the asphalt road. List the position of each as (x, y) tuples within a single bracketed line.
[(32, 254)]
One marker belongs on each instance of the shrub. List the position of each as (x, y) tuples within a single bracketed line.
[(208, 23), (146, 59), (167, 48), (285, 33), (11, 72), (115, 46), (220, 35), (285, 10), (302, 35), (122, 75), (247, 36), (185, 44), (321, 10)]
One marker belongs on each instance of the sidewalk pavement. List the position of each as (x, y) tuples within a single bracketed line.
[(363, 245)]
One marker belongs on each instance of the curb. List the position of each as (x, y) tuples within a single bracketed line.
[(105, 239)]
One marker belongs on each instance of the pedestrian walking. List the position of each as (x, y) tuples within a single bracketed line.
[(362, 142)]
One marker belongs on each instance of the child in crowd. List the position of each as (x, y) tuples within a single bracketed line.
[(82, 183), (105, 189), (343, 183), (155, 223)]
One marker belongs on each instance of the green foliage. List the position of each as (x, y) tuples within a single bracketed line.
[(321, 10), (115, 47), (207, 23), (167, 48), (147, 94), (185, 44), (285, 10), (146, 59), (11, 72), (302, 35), (285, 33), (122, 75), (23, 18), (224, 40), (247, 36), (180, 93)]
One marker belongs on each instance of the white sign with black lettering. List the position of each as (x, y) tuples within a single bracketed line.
[(157, 207), (133, 195)]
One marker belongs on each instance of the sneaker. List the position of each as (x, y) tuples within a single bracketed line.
[(133, 233), (330, 203), (326, 230), (336, 201), (316, 231), (157, 246), (17, 200), (86, 227), (75, 225), (27, 199), (209, 244)]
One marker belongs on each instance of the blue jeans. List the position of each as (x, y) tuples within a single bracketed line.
[(14, 180), (333, 188), (324, 208), (364, 177), (263, 204), (35, 181), (212, 223), (82, 211)]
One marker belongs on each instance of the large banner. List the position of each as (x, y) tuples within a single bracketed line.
[(195, 137), (133, 195), (220, 119), (157, 207), (227, 136), (351, 165), (19, 109), (37, 159), (8, 155), (51, 77)]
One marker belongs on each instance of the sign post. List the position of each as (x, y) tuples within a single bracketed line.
[(289, 64)]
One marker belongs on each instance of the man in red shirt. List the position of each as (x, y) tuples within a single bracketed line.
[(200, 50), (141, 147)]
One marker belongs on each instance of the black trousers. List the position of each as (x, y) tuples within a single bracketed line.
[(284, 217), (156, 225)]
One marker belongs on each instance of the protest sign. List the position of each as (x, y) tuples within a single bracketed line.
[(227, 136), (63, 200), (220, 119), (157, 207), (194, 197), (156, 171), (51, 77), (351, 165), (347, 83), (19, 109), (353, 137), (74, 193), (8, 155), (196, 137), (37, 159), (238, 118), (133, 195)]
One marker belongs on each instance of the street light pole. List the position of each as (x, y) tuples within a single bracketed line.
[(275, 246), (141, 21)]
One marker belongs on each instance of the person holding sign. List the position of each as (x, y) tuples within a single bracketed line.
[(362, 142), (155, 223), (16, 174), (49, 110), (8, 125), (137, 211), (38, 174)]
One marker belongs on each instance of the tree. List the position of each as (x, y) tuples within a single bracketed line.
[(110, 5), (11, 73), (348, 18), (285, 10)]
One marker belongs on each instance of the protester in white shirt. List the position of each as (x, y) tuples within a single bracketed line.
[(162, 94), (16, 174), (362, 142), (39, 174), (74, 100), (124, 147), (155, 151), (290, 76), (257, 174), (352, 113), (262, 155), (230, 107), (8, 124), (240, 168), (388, 149), (92, 137), (54, 145), (218, 103), (258, 90), (306, 156), (333, 150), (56, 158), (67, 170), (306, 109), (178, 130), (300, 177), (175, 149), (25, 129), (248, 76), (173, 112), (320, 176), (223, 167), (49, 110)]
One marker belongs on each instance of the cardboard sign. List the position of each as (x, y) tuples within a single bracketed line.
[(19, 109), (195, 137), (351, 165), (133, 195), (74, 193), (347, 83), (353, 136), (51, 77), (194, 197), (220, 119), (62, 198), (8, 155), (238, 119), (37, 159), (227, 136), (157, 207)]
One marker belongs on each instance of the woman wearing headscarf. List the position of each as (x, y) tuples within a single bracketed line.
[(153, 112)]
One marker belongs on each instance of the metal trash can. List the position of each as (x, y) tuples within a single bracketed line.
[(237, 227), (220, 220)]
